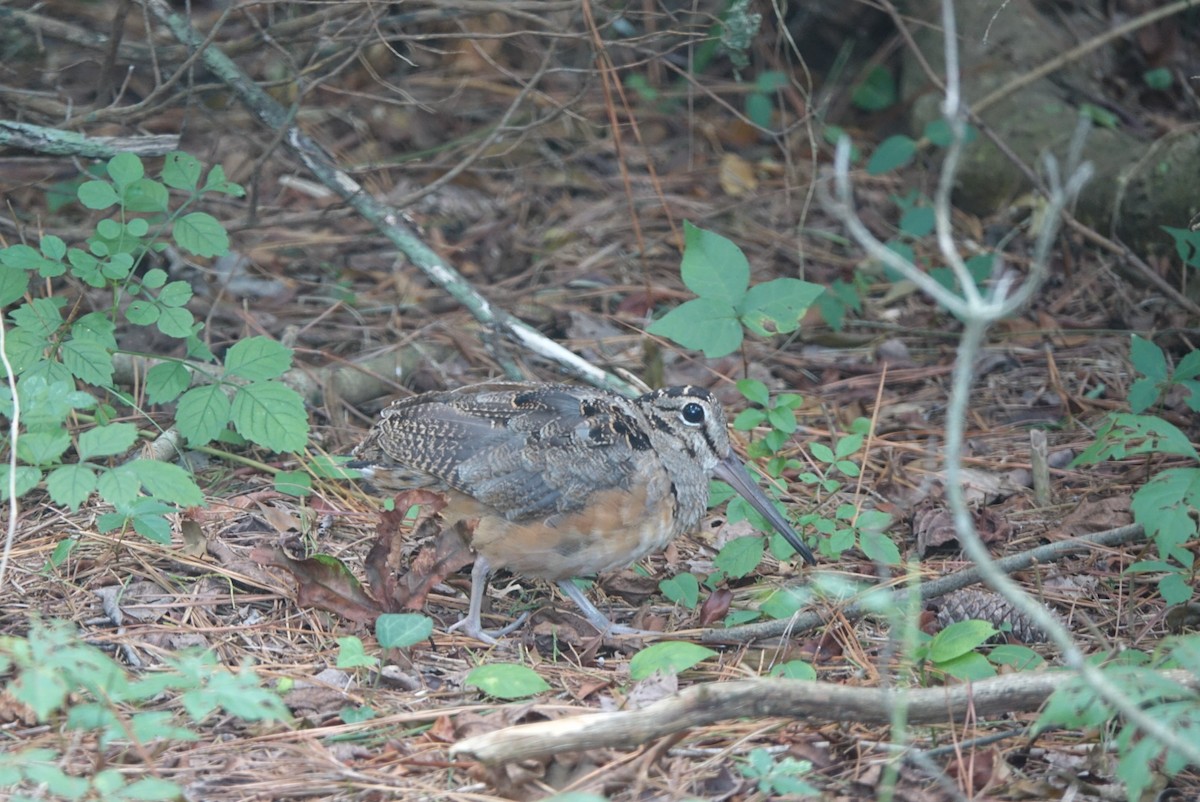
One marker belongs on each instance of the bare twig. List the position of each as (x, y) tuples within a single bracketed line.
[(978, 314), (814, 701), (898, 599)]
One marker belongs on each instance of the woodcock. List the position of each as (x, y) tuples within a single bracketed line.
[(563, 480)]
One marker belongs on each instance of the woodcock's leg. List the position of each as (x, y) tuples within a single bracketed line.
[(596, 618), (473, 623)]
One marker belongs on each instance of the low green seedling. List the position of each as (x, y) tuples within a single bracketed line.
[(778, 776), (70, 685), (726, 305), (506, 680)]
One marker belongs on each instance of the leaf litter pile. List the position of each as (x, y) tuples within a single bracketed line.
[(493, 129)]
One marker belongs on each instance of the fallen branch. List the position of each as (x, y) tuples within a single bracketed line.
[(810, 620), (756, 698)]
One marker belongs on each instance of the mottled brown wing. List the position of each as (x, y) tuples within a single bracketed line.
[(528, 452)]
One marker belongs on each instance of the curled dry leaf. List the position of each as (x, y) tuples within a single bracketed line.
[(933, 527), (716, 606), (323, 582)]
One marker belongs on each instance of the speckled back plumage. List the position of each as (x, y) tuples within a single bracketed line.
[(533, 451)]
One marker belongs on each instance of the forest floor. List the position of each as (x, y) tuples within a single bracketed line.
[(579, 235)]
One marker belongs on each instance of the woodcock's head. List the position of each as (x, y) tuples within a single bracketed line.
[(689, 430)]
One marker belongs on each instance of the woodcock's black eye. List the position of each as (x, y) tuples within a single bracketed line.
[(692, 414)]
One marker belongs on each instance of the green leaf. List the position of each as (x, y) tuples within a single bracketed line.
[(141, 313), (271, 414), (202, 413), (352, 654), (144, 195), (795, 669), (701, 324), (682, 589), (155, 278), (201, 234), (177, 293), (154, 528), (760, 109), (786, 602), (754, 391), (668, 657), (917, 221), (1123, 435), (26, 259), (166, 380), (293, 483), (1148, 358), (27, 479), (167, 482), (43, 448), (1158, 79), (181, 171), (748, 419), (506, 680), (89, 361), (781, 302), (1019, 657), (70, 485), (257, 358), (971, 666), (104, 441), (893, 153), (876, 92), (175, 322), (960, 638), (125, 168), (119, 486), (879, 547), (216, 182), (96, 327), (713, 267), (40, 316), (1143, 394), (400, 630), (13, 284), (783, 420), (1164, 505), (97, 195), (740, 556), (1175, 589)]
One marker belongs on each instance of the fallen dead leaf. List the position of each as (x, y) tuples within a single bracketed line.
[(323, 582), (736, 175)]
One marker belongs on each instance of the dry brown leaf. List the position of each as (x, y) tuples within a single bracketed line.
[(1096, 515), (715, 607), (736, 175), (323, 582)]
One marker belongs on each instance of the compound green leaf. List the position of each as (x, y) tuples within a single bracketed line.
[(70, 485), (167, 482), (271, 414), (257, 358), (105, 441), (201, 234), (202, 413)]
